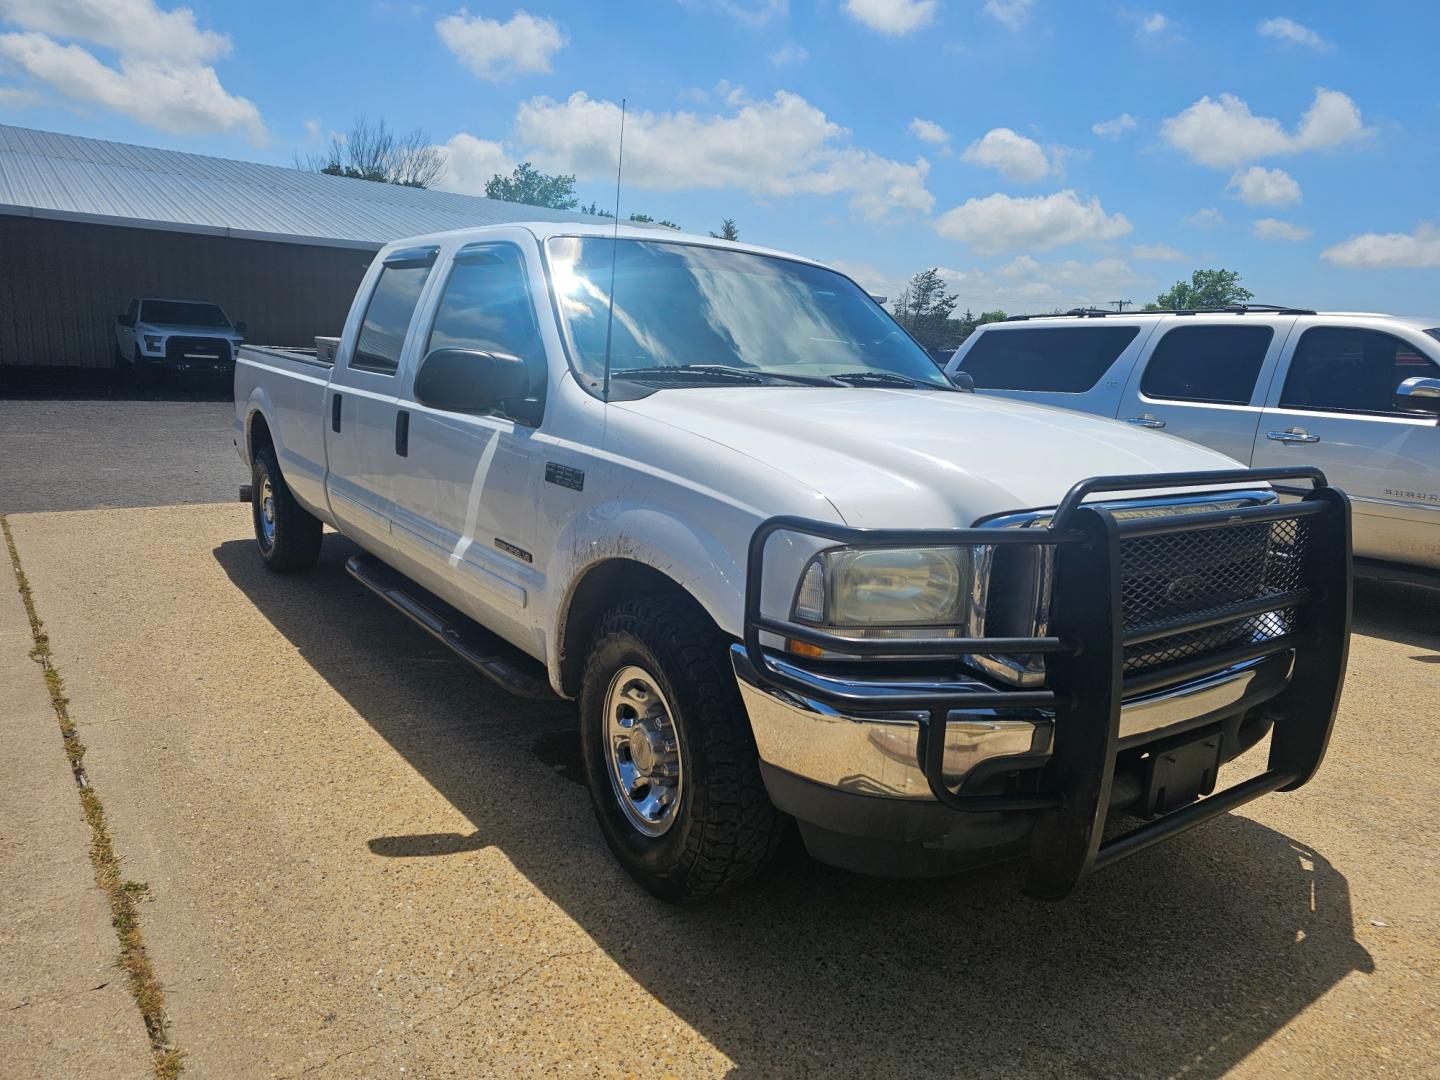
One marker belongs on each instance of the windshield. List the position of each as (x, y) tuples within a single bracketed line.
[(720, 316), (182, 313)]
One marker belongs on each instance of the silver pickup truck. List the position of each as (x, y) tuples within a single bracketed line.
[(792, 573)]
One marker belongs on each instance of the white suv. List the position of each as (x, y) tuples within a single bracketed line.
[(1356, 394)]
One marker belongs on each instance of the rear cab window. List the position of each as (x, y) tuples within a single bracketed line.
[(1059, 359), (1213, 365)]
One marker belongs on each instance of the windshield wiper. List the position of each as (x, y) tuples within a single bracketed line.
[(885, 378), (755, 377)]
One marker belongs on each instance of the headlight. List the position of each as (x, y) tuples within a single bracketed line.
[(153, 342), (886, 587)]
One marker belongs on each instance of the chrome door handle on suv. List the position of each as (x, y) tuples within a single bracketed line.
[(1293, 435), (1145, 420)]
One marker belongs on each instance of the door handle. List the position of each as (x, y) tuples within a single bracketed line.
[(335, 413), (402, 433), (1293, 435), (1145, 420)]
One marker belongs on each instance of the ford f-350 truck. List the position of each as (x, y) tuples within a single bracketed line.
[(789, 570)]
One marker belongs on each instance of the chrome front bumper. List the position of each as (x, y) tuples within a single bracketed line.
[(876, 752)]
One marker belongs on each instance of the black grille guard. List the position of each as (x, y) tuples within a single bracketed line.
[(1085, 679)]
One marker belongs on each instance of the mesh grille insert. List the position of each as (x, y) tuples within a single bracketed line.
[(1202, 573)]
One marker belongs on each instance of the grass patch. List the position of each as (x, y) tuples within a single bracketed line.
[(121, 893)]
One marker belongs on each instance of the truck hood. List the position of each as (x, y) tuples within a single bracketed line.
[(188, 331), (917, 458)]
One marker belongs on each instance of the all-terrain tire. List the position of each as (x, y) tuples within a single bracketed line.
[(725, 829), (292, 542)]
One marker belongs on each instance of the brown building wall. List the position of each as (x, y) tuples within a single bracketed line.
[(62, 283)]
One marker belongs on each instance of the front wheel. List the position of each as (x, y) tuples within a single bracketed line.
[(288, 535), (670, 760)]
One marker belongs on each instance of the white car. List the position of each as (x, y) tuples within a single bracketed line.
[(156, 335), (791, 572), (1356, 395)]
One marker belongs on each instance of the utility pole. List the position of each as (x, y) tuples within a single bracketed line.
[(1121, 305)]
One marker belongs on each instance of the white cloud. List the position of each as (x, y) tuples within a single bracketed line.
[(1157, 253), (1009, 13), (1378, 251), (777, 147), (1259, 186), (135, 28), (14, 97), (751, 13), (1292, 32), (929, 131), (187, 100), (1205, 218), (1113, 129), (1000, 223), (1224, 133), (1013, 155), (471, 162), (789, 54), (494, 50), (161, 79), (1154, 23), (1273, 229), (894, 17)]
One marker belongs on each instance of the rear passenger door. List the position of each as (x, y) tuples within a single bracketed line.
[(1205, 381), (360, 414), (1332, 405), (1080, 364)]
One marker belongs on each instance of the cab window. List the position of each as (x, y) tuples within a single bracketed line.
[(1337, 369), (1215, 365), (486, 307), (1064, 360)]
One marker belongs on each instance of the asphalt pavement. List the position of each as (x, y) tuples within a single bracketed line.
[(60, 454)]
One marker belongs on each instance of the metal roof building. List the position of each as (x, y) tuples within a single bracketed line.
[(85, 225)]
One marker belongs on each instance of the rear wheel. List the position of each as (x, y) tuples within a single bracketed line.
[(670, 760), (288, 535)]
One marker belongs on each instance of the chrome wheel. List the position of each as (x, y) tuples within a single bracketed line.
[(267, 513), (642, 749)]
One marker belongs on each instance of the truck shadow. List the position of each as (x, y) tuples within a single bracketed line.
[(1180, 962), (1398, 612)]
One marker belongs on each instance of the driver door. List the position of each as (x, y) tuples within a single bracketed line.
[(464, 501)]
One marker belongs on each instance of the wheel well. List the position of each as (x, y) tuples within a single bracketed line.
[(259, 434), (603, 586)]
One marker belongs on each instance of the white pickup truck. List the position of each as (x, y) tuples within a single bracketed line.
[(789, 570)]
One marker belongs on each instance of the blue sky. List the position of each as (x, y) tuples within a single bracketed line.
[(1042, 153)]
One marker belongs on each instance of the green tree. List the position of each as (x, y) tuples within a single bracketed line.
[(924, 308), (530, 186), (1205, 289), (595, 210), (646, 219), (728, 230)]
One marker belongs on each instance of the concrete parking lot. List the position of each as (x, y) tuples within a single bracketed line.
[(359, 857)]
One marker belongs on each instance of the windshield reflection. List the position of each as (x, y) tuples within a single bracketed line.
[(687, 304)]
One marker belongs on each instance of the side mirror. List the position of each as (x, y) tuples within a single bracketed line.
[(467, 380), (1418, 395), (123, 320), (963, 380), (240, 327)]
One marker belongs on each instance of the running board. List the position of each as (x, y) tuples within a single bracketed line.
[(496, 659)]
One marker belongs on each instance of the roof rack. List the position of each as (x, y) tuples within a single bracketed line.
[(1228, 309)]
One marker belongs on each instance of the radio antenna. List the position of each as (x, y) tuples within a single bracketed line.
[(614, 245)]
